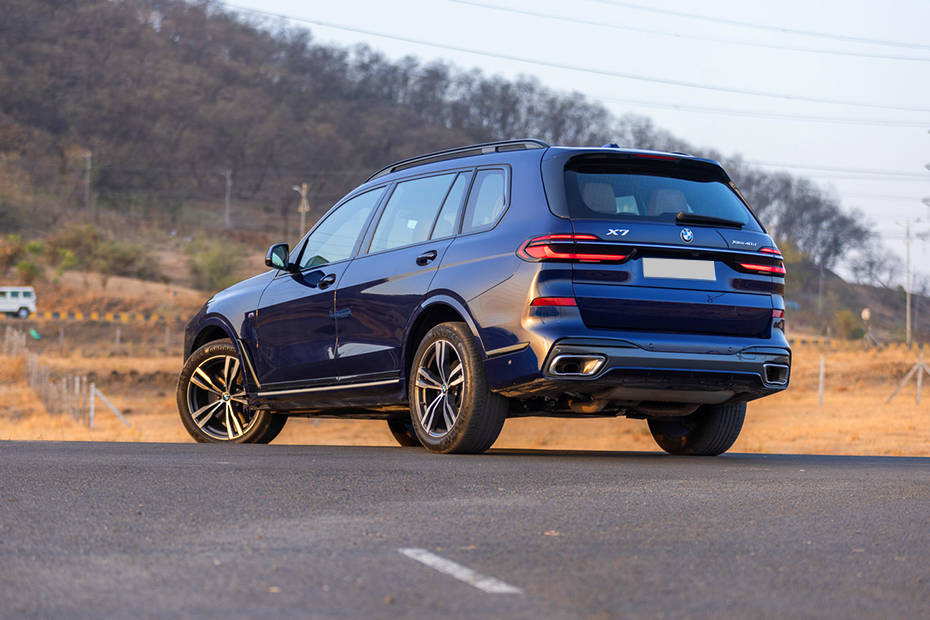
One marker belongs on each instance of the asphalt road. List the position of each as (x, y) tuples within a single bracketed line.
[(165, 530)]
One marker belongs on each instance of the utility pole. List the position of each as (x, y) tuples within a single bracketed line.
[(907, 273), (907, 284), (304, 207), (88, 157), (228, 174)]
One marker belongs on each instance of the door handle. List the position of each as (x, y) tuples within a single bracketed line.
[(426, 257), (327, 280)]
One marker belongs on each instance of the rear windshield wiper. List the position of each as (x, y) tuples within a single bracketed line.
[(694, 218)]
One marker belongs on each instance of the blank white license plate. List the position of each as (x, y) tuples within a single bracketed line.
[(679, 268)]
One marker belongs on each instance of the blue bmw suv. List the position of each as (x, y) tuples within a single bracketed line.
[(453, 290)]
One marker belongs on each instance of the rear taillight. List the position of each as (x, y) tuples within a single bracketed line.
[(778, 269), (566, 247), (773, 251), (553, 301), (778, 314)]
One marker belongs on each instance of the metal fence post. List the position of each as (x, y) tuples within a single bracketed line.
[(820, 390), (90, 419), (920, 375)]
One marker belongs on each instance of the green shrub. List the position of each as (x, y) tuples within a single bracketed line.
[(87, 247), (214, 264), (28, 271), (848, 325)]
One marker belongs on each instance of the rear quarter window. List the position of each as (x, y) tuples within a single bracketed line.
[(487, 200)]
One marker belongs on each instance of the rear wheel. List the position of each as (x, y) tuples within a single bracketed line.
[(212, 400), (404, 433), (23, 313), (709, 431), (451, 407)]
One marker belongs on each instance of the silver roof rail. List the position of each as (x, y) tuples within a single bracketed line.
[(461, 151)]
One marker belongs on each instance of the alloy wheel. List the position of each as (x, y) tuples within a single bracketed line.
[(440, 385), (216, 399)]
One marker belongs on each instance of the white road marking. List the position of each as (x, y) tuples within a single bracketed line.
[(462, 573)]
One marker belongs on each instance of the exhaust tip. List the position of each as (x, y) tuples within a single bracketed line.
[(776, 374), (576, 365)]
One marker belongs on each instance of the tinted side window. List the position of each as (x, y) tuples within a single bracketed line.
[(487, 200), (449, 215), (410, 212), (27, 293), (334, 239), (14, 293)]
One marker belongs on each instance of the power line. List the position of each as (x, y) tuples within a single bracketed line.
[(883, 196), (696, 37), (773, 115), (770, 164), (569, 67), (780, 29)]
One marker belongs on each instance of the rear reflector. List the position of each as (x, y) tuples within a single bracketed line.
[(563, 247), (554, 301), (773, 269), (778, 314)]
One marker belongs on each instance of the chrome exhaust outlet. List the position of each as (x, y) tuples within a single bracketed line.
[(776, 374), (576, 365)]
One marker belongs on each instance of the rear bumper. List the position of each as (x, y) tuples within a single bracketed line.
[(630, 373)]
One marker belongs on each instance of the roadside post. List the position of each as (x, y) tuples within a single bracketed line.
[(820, 389)]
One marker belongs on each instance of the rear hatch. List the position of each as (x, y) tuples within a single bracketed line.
[(685, 253)]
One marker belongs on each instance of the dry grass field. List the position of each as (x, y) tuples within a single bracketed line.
[(853, 420)]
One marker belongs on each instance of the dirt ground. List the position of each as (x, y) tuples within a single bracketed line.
[(854, 418)]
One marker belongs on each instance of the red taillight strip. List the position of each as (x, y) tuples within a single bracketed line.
[(540, 249), (566, 237), (778, 314), (554, 301), (779, 269), (773, 251), (646, 156)]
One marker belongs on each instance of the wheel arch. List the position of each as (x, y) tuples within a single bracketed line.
[(433, 311), (214, 329), (209, 333)]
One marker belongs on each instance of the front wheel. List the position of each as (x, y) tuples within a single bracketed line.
[(709, 431), (212, 400), (451, 407), (23, 313)]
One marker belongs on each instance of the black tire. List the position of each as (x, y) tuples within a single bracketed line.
[(709, 431), (23, 313), (404, 433), (480, 412), (206, 391)]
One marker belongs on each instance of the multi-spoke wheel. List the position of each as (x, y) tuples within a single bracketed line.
[(440, 381), (212, 399), (451, 407)]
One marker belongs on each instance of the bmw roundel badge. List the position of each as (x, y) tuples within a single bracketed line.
[(687, 235)]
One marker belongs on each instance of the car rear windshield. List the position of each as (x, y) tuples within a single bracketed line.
[(656, 191)]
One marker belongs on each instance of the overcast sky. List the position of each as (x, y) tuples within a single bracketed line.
[(708, 52)]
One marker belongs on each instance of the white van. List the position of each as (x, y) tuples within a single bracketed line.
[(17, 301)]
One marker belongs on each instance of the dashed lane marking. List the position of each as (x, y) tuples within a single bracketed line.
[(462, 573)]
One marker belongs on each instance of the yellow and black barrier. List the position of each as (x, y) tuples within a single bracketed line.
[(144, 318)]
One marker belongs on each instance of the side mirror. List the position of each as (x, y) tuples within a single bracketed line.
[(277, 257)]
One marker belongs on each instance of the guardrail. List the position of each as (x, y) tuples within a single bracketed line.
[(107, 317)]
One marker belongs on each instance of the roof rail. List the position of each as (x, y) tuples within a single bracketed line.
[(461, 151)]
